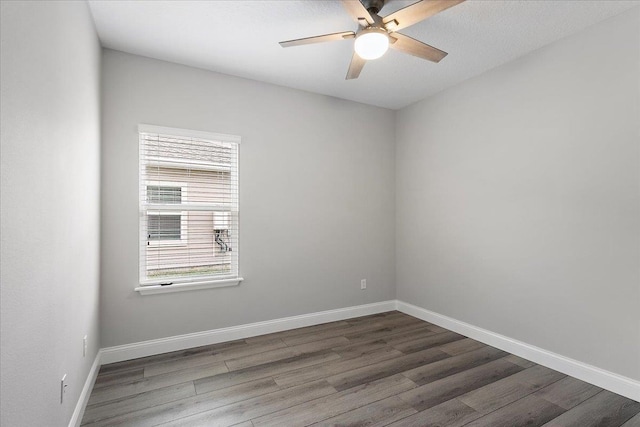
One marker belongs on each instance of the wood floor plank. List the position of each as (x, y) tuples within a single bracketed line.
[(383, 369), (438, 329), (153, 383), (374, 317), (366, 331), (461, 346), (520, 361), (330, 333), (207, 358), (105, 380), (633, 422), (298, 331), (410, 335), (125, 405), (539, 376), (384, 331), (174, 355), (427, 373), (507, 390), (256, 407), (568, 392), (283, 353), (332, 329), (325, 344), (452, 413), (605, 409), (334, 367), (530, 411), (432, 394), (352, 351), (261, 358), (168, 412), (229, 379), (398, 319), (383, 317), (364, 344), (378, 413), (335, 404), (180, 364), (428, 342)]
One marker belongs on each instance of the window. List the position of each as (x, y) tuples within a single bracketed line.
[(164, 227), (164, 194), (188, 207)]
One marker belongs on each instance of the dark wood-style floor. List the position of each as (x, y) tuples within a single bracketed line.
[(386, 369)]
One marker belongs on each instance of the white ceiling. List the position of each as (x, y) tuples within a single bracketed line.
[(241, 38)]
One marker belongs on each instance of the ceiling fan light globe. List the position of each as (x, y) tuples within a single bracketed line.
[(371, 44)]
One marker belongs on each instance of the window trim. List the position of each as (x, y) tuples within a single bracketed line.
[(188, 286), (168, 285)]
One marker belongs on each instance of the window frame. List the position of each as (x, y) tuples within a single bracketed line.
[(185, 283)]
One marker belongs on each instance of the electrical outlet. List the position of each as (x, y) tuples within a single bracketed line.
[(84, 346), (363, 284), (63, 387)]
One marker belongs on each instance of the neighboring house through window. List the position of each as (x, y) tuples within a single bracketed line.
[(188, 206), (166, 227)]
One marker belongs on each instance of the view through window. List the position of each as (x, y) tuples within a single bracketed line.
[(188, 206)]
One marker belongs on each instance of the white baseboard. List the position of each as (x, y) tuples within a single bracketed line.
[(181, 342), (608, 380), (78, 412)]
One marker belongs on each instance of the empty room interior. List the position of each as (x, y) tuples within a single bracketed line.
[(332, 213)]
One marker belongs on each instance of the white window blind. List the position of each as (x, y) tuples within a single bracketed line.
[(189, 209)]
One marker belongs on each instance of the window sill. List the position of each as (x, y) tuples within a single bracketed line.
[(189, 286)]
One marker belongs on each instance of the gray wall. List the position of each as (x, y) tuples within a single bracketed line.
[(49, 208), (518, 202), (316, 198)]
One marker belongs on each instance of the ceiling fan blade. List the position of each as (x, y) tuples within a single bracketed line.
[(416, 48), (416, 12), (357, 11), (319, 39), (355, 66)]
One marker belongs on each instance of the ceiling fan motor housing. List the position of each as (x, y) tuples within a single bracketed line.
[(374, 6)]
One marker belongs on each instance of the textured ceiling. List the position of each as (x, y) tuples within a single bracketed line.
[(241, 38)]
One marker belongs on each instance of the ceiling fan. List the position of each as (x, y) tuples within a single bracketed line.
[(376, 33)]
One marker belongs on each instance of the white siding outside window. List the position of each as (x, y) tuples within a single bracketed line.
[(189, 209)]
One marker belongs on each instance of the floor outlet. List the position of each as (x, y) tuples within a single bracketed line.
[(63, 387), (363, 284)]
